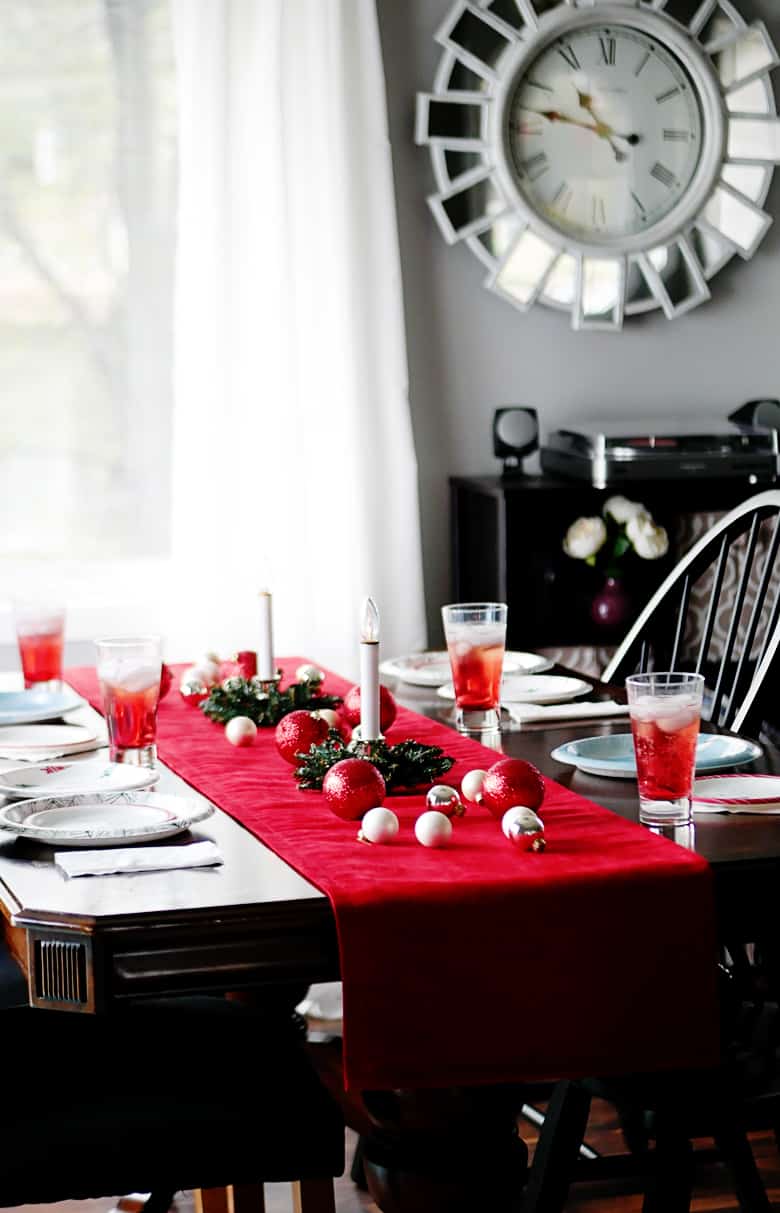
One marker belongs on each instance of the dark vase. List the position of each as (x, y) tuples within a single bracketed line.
[(611, 607)]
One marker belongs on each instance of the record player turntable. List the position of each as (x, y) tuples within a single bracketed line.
[(613, 452)]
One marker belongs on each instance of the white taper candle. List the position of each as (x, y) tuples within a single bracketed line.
[(369, 672), (265, 647)]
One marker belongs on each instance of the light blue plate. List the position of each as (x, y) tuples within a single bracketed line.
[(613, 754), (27, 707)]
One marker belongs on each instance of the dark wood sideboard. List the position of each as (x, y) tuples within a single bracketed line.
[(507, 536)]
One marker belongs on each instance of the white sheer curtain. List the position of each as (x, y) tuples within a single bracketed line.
[(294, 466)]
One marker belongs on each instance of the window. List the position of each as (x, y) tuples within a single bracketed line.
[(87, 245)]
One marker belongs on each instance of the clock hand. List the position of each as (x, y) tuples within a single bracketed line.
[(603, 128), (600, 129)]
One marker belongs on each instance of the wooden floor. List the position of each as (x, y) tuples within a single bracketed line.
[(712, 1193)]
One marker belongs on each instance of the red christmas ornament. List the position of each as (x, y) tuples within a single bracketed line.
[(352, 787), (510, 782), (297, 732), (166, 680), (350, 708)]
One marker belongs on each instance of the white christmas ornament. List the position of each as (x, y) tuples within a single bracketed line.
[(378, 825), (241, 730), (328, 715), (308, 673), (206, 672), (433, 829), (471, 786)]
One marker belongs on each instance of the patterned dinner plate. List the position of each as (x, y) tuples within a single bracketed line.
[(737, 794), (114, 820), (432, 668), (36, 782)]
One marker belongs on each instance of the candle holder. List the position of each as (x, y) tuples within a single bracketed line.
[(268, 684), (371, 746)]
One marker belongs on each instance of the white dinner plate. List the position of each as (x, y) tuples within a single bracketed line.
[(36, 782), (60, 737), (613, 754), (432, 668), (102, 821), (737, 794), (27, 707), (533, 688)]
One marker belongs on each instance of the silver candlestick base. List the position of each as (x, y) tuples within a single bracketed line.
[(268, 684)]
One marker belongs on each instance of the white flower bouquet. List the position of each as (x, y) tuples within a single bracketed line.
[(624, 526)]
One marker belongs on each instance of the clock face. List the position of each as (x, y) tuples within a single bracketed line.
[(602, 157), (604, 132)]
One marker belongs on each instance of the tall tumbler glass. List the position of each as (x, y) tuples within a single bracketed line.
[(665, 710), (129, 672), (40, 632), (476, 635)]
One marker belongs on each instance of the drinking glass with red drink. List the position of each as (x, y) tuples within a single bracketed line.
[(40, 631), (665, 710), (129, 673), (476, 636)]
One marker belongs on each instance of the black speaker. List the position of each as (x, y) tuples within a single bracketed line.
[(765, 413), (515, 434)]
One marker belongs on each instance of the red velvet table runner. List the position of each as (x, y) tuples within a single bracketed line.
[(478, 963)]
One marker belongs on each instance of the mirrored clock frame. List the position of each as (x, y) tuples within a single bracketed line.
[(487, 47)]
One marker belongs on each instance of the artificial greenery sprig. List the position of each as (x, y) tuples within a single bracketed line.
[(408, 764), (246, 697)]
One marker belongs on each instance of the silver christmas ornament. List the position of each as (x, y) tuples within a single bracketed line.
[(444, 799), (524, 829), (232, 684)]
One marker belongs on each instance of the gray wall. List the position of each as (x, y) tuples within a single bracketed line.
[(469, 352)]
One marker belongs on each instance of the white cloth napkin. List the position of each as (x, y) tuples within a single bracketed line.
[(138, 859), (531, 713)]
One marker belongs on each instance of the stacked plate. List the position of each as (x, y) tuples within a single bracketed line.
[(613, 754), (113, 820), (737, 794), (28, 707), (52, 779), (432, 668), (533, 688)]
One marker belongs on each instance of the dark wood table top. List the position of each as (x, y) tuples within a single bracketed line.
[(256, 920)]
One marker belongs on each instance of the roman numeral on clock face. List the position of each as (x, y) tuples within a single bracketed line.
[(608, 50), (639, 204), (536, 165), (677, 136), (642, 64), (663, 174), (568, 54), (599, 212), (667, 96), (562, 198)]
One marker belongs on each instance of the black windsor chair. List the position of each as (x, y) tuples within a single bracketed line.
[(198, 1093), (718, 614)]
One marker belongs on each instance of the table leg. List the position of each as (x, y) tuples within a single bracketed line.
[(241, 1198), (447, 1151), (313, 1196)]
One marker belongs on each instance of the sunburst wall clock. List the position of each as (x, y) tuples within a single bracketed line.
[(602, 157)]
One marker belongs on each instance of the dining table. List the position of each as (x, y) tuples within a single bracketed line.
[(255, 924)]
